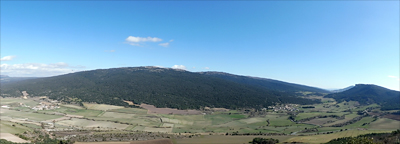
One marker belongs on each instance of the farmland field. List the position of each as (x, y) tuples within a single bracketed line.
[(27, 115), (327, 137), (385, 123), (221, 139), (92, 124), (119, 119), (101, 106), (7, 127)]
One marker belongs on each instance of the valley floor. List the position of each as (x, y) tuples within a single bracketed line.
[(288, 123)]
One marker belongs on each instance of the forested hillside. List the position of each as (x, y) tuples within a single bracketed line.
[(368, 94), (269, 84), (161, 87)]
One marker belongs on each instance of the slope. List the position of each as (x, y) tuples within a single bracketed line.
[(269, 84), (161, 87), (368, 94)]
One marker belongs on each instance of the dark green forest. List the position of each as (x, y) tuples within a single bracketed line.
[(269, 84), (151, 85)]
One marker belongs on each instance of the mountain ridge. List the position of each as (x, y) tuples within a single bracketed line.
[(368, 94), (162, 87)]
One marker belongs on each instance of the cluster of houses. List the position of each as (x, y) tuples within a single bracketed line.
[(41, 106), (287, 107), (45, 106)]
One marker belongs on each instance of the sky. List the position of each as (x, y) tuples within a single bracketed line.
[(325, 44)]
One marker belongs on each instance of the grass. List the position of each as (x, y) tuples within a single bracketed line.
[(312, 114), (6, 101), (29, 115), (346, 118), (7, 127), (102, 107), (384, 123), (129, 110), (359, 124), (222, 139), (323, 138), (74, 111), (91, 124)]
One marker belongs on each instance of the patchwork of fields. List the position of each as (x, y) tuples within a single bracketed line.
[(212, 125)]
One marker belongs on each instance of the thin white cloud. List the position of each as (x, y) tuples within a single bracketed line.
[(206, 68), (142, 39), (164, 44), (179, 67), (38, 69), (394, 77), (136, 40), (111, 51), (7, 58)]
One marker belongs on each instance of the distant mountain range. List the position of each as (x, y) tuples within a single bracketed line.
[(163, 87), (6, 79), (368, 94), (341, 90), (174, 88)]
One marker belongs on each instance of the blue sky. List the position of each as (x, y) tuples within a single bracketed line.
[(330, 44)]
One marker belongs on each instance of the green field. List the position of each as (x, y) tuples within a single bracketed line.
[(116, 118), (323, 138), (7, 127), (221, 139), (27, 115), (7, 101)]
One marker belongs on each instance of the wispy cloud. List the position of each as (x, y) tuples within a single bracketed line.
[(394, 77), (7, 58), (179, 67), (166, 44), (111, 51), (38, 69), (206, 68), (136, 40)]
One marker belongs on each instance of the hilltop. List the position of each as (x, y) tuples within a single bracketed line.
[(265, 83), (162, 87), (368, 94)]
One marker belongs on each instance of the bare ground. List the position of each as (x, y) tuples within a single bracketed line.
[(392, 116)]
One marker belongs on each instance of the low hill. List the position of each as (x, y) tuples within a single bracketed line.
[(162, 87), (265, 83), (368, 94)]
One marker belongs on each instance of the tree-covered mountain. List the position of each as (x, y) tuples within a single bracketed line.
[(265, 83), (368, 94), (162, 87)]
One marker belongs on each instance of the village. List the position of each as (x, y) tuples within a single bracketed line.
[(284, 108), (44, 104)]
